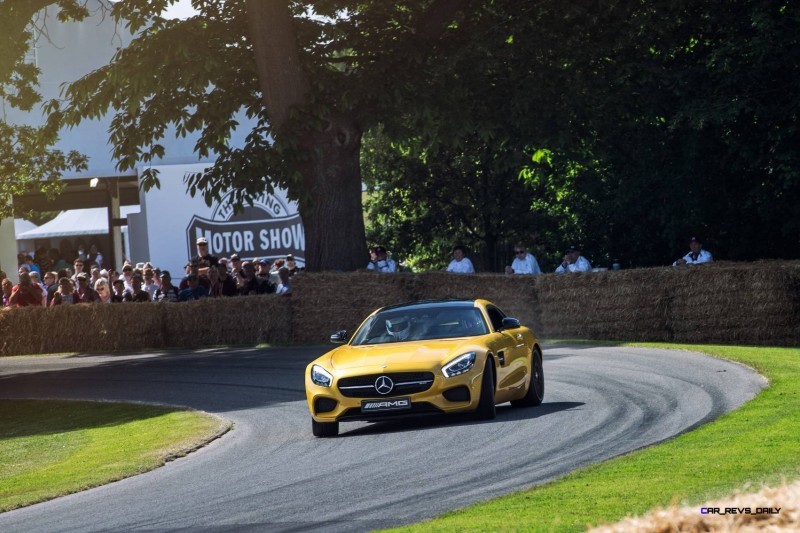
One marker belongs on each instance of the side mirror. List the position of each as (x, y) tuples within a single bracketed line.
[(340, 337), (510, 323)]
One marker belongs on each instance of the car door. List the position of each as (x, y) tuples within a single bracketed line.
[(512, 357)]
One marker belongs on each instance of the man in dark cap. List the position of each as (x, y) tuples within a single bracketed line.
[(696, 254), (167, 292), (236, 266), (137, 294), (193, 268), (291, 264), (227, 282), (86, 294), (264, 267), (193, 290), (573, 261), (252, 284), (382, 263)]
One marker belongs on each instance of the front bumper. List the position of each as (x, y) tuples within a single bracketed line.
[(446, 395)]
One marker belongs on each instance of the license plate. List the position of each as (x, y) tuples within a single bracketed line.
[(389, 404)]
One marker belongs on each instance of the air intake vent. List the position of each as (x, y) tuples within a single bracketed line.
[(458, 394), (324, 405)]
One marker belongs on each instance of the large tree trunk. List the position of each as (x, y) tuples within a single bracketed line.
[(329, 160), (333, 215)]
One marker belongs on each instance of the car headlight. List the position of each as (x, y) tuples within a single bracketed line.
[(459, 365), (320, 376)]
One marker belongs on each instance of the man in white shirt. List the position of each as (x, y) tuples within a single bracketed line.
[(696, 254), (381, 262), (523, 263), (574, 261), (460, 263)]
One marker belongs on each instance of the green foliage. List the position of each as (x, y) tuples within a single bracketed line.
[(693, 129), (27, 163), (632, 125), (424, 201), (196, 74), (646, 123)]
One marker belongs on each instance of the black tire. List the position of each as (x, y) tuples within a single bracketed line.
[(324, 429), (535, 393), (486, 408)]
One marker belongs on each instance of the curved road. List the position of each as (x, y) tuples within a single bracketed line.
[(270, 474)]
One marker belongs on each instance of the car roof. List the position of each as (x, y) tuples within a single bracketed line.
[(426, 304)]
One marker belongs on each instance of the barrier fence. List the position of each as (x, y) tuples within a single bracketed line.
[(724, 303)]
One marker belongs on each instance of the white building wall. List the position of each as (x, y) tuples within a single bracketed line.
[(161, 232), (72, 50)]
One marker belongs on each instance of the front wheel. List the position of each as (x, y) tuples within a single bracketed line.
[(324, 429), (535, 393), (486, 409)]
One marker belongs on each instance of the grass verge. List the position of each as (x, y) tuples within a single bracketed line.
[(50, 448), (759, 443)]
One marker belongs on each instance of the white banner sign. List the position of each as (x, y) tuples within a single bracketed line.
[(271, 228)]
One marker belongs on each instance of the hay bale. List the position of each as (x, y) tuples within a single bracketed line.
[(722, 302), (327, 302), (240, 320), (323, 303), (139, 326), (753, 303), (687, 518)]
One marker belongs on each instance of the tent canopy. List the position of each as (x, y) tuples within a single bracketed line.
[(76, 222), (21, 226)]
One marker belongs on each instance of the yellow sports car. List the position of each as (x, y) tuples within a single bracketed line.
[(438, 356)]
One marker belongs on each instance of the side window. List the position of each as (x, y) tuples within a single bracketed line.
[(496, 318)]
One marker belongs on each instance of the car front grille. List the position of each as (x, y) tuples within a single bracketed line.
[(405, 383)]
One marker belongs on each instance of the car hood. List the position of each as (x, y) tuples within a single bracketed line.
[(425, 353)]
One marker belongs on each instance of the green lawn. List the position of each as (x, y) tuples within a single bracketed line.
[(52, 448), (758, 443)]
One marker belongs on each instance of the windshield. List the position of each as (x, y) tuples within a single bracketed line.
[(404, 325)]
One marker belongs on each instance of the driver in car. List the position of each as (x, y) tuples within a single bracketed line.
[(399, 328)]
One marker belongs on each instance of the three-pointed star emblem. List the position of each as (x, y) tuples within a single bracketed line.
[(384, 385)]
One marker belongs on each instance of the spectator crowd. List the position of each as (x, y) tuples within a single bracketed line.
[(48, 280), (525, 262)]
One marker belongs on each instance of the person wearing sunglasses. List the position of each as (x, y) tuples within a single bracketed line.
[(103, 290), (86, 294), (523, 263)]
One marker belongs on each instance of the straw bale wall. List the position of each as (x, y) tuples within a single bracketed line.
[(125, 327), (726, 303), (325, 303), (756, 303)]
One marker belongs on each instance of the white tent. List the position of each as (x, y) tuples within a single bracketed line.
[(76, 222), (21, 226)]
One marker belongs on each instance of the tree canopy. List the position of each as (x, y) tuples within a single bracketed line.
[(625, 127), (314, 76), (27, 161), (641, 123)]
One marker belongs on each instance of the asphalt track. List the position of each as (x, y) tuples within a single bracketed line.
[(270, 474)]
